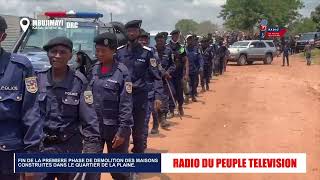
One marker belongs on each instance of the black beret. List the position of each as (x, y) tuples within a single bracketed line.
[(63, 41), (176, 31), (133, 24), (143, 33), (107, 39), (3, 24)]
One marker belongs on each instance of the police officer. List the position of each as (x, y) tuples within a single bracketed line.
[(195, 65), (166, 66), (112, 98), (198, 48), (20, 121), (144, 40), (140, 63), (65, 104), (207, 54), (221, 52), (214, 48), (181, 73)]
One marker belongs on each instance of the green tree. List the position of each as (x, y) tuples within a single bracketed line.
[(302, 26), (186, 26), (206, 27), (245, 14), (241, 14), (315, 15)]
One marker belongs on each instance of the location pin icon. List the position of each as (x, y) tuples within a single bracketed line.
[(24, 23)]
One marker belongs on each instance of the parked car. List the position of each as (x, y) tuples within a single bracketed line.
[(246, 52), (311, 37)]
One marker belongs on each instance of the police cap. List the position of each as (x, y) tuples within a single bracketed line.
[(161, 35), (3, 24), (176, 31), (63, 41), (133, 24), (107, 39)]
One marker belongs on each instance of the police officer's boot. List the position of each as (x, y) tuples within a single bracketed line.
[(186, 99), (155, 127), (207, 87), (194, 99), (163, 120), (180, 109), (203, 89)]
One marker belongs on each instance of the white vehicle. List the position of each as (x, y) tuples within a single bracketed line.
[(246, 52)]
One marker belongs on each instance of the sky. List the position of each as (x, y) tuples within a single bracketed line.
[(156, 14)]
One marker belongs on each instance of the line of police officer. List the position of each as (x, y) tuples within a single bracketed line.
[(60, 110)]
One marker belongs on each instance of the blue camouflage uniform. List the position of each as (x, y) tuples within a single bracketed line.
[(195, 66), (66, 105), (20, 121), (140, 63)]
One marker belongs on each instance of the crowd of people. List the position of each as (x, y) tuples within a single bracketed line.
[(61, 110)]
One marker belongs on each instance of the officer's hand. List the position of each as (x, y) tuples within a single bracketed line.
[(117, 141), (167, 75), (157, 105)]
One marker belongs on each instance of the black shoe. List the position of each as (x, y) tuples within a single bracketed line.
[(203, 89), (207, 87), (194, 99), (163, 120)]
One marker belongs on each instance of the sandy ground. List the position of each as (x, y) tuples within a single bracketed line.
[(254, 108)]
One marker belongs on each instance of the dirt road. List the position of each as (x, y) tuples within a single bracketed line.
[(255, 108)]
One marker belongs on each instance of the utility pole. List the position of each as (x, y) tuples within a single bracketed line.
[(111, 17)]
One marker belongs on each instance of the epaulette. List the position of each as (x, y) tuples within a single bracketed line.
[(79, 75), (21, 60), (120, 47), (147, 48)]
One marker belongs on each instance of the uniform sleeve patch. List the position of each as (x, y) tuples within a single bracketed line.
[(31, 84), (88, 97), (128, 86), (153, 62)]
